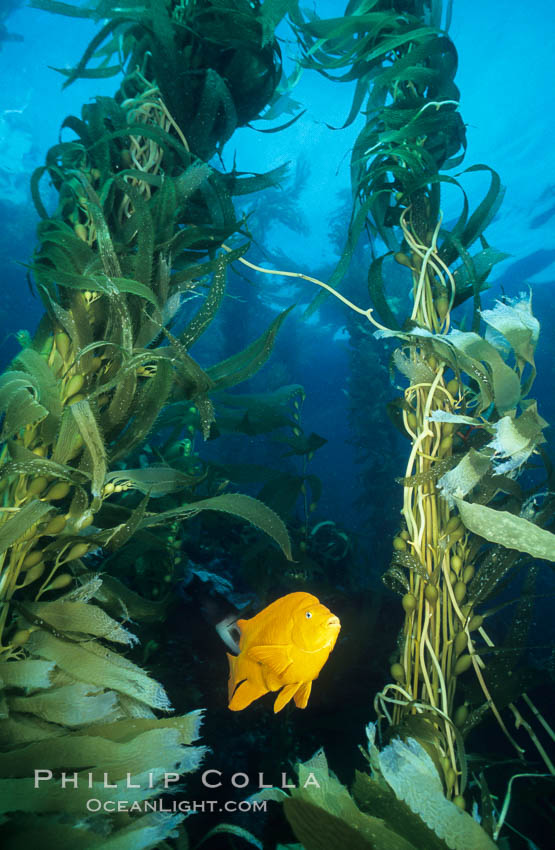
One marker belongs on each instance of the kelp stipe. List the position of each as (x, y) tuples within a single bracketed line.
[(136, 231)]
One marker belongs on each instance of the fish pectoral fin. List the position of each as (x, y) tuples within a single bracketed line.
[(286, 693), (276, 658), (302, 695), (245, 693)]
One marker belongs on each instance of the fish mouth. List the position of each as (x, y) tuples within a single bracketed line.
[(333, 622)]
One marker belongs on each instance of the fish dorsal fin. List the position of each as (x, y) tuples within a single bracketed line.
[(276, 658), (286, 693)]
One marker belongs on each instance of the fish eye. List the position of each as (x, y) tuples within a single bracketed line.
[(308, 615)]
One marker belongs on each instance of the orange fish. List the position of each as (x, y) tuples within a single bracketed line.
[(283, 648)]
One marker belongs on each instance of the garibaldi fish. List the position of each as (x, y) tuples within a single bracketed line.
[(283, 648)]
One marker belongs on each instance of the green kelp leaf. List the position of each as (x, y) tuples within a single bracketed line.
[(36, 177), (324, 816), (206, 414), (520, 328), (377, 799), (451, 350), (414, 368), (98, 283), (447, 416), (517, 324), (317, 829), (271, 13), (482, 263), (11, 383), (494, 566), (508, 530), (198, 324), (396, 580), (215, 119), (20, 408), (44, 378), (160, 744), (239, 505), (154, 481), (49, 833), (405, 559), (151, 399), (486, 211), (89, 430), (28, 463), (93, 46), (59, 8), (69, 705), (67, 438), (492, 484), (96, 665), (506, 384), (163, 208), (237, 184), (458, 482), (21, 795), (20, 522), (123, 602), (516, 438), (24, 729), (188, 182), (302, 444), (188, 726), (257, 413), (410, 772), (91, 73), (119, 408), (28, 673), (114, 538), (439, 468), (66, 616), (241, 366)]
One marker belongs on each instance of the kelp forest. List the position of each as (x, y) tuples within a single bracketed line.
[(134, 516)]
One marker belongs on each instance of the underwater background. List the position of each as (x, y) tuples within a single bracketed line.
[(315, 442)]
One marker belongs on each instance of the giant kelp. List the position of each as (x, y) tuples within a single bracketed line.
[(468, 527), (467, 409), (134, 235), (140, 218)]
